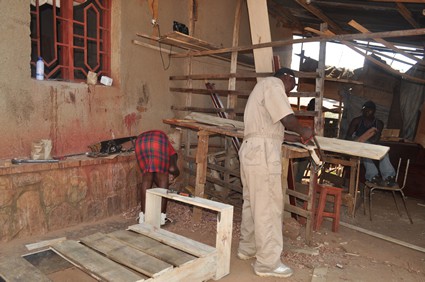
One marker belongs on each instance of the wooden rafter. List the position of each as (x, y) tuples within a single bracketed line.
[(372, 59), (399, 1), (407, 15), (319, 14), (279, 43), (387, 44), (286, 16), (360, 46), (360, 6)]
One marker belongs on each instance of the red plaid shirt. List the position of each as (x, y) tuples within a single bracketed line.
[(153, 151)]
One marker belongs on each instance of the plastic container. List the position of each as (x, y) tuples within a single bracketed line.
[(39, 70)]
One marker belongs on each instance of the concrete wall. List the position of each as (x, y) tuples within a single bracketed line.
[(38, 198), (74, 115)]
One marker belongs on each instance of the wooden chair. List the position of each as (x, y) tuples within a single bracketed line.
[(396, 188), (324, 191)]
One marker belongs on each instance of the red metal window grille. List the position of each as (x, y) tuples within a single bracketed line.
[(72, 36)]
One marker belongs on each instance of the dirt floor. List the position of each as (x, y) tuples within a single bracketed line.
[(348, 255)]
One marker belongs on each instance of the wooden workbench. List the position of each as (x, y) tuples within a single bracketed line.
[(204, 132), (288, 152)]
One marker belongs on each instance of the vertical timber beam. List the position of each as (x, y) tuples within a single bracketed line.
[(231, 98), (260, 33), (201, 170), (320, 86)]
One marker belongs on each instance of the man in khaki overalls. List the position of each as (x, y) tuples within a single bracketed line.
[(266, 116)]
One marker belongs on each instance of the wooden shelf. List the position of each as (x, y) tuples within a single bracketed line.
[(187, 42)]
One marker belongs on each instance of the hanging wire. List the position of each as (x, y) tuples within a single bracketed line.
[(160, 50)]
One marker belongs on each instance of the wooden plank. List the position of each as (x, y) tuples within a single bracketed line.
[(152, 247), (220, 182), (297, 194), (191, 43), (279, 43), (223, 242), (44, 243), (17, 269), (373, 60), (319, 122), (174, 240), (193, 16), (364, 150), (400, 1), (126, 255), (250, 76), (199, 126), (319, 14), (232, 99), (201, 170), (208, 92), (298, 210), (387, 44), (204, 110), (95, 263), (201, 269), (383, 237), (195, 201), (153, 210), (260, 33), (220, 76), (208, 119), (310, 207)]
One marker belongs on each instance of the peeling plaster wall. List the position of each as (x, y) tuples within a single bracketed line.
[(75, 115)]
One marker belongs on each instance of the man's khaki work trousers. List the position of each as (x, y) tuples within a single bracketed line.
[(261, 227)]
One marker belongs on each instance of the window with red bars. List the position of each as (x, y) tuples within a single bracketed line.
[(72, 37)]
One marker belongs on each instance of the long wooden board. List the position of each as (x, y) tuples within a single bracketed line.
[(260, 33), (363, 150), (126, 255), (208, 119), (174, 240), (95, 263), (152, 247), (17, 269)]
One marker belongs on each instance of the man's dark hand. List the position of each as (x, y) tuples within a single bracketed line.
[(306, 134)]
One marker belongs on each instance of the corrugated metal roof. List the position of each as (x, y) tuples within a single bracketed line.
[(375, 16)]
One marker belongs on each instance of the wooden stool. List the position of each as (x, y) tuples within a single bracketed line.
[(324, 191)]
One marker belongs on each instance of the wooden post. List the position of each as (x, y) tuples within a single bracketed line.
[(356, 186), (320, 86), (310, 206), (201, 170), (232, 99), (223, 241), (192, 7), (287, 154), (153, 209)]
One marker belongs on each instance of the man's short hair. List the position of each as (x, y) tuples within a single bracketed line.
[(369, 105), (283, 71)]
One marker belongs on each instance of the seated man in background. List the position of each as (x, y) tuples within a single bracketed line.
[(367, 128), (157, 161)]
